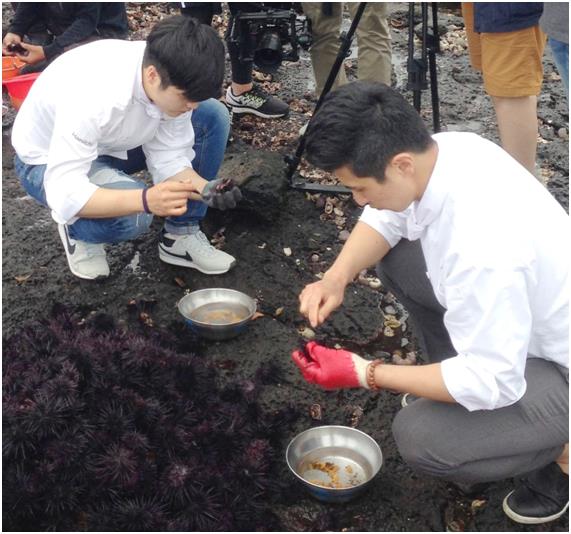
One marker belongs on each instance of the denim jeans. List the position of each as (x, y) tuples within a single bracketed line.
[(561, 56), (211, 125)]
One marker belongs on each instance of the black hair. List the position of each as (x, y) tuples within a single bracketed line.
[(188, 55), (363, 125)]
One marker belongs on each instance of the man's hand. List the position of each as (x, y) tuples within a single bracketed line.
[(331, 368), (221, 194), (319, 299), (34, 55), (10, 39), (169, 198)]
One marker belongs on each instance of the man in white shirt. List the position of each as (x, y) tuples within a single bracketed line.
[(108, 109), (477, 251)]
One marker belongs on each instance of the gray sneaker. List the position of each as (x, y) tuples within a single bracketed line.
[(194, 251), (85, 260), (256, 102)]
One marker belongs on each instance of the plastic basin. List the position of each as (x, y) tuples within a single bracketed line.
[(11, 67), (18, 87)]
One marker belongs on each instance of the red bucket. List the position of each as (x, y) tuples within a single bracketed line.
[(19, 86), (11, 67)]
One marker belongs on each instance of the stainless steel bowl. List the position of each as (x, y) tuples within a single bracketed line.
[(217, 313), (334, 463)]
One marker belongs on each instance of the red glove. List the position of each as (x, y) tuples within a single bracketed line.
[(331, 368)]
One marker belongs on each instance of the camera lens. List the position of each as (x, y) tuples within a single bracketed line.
[(269, 54)]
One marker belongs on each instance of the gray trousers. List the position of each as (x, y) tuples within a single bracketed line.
[(448, 441)]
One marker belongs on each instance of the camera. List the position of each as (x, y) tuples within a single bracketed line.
[(269, 36)]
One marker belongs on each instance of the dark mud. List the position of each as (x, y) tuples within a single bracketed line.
[(35, 276)]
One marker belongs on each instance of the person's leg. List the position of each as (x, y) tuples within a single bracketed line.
[(513, 73), (517, 125), (105, 230), (403, 272), (448, 441), (529, 437), (182, 242), (211, 124), (243, 97), (561, 56), (374, 41), (473, 38), (325, 41), (83, 240)]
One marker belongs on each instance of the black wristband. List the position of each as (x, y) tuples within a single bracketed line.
[(145, 205)]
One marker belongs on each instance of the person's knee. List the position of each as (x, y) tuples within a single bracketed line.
[(217, 112), (132, 226), (420, 444)]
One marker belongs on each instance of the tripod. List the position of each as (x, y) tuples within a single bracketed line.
[(417, 67), (293, 161), (417, 82)]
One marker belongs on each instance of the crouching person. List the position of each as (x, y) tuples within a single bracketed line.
[(473, 246), (108, 109)]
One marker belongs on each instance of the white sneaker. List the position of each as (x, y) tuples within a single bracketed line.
[(85, 260), (194, 251)]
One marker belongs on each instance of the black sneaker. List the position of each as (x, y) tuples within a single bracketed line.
[(256, 102), (541, 497)]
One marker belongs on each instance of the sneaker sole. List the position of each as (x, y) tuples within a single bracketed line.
[(526, 520), (245, 111), (191, 265)]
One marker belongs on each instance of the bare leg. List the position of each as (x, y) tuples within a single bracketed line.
[(563, 460), (517, 124), (240, 88)]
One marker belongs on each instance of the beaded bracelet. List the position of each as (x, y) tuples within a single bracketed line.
[(145, 205), (371, 375)]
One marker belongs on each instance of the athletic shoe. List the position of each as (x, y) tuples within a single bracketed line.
[(256, 102), (85, 260), (194, 251), (541, 497)]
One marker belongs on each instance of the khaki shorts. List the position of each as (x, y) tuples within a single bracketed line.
[(510, 62)]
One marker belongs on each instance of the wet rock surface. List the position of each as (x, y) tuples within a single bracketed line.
[(273, 218)]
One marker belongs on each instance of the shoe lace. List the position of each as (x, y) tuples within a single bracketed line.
[(208, 249), (255, 96)]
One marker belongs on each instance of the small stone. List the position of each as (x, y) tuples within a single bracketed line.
[(391, 321), (338, 212), (411, 357), (374, 283), (388, 331), (344, 235), (287, 251), (307, 333), (363, 280), (320, 202), (314, 258), (404, 342), (390, 310), (563, 133)]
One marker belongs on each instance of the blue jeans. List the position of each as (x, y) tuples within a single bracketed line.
[(561, 56), (211, 125)]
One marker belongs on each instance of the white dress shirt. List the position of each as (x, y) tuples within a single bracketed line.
[(90, 102), (496, 246)]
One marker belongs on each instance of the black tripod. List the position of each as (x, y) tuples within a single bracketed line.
[(293, 161), (417, 82), (417, 67)]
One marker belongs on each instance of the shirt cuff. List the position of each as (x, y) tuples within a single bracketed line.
[(66, 207), (472, 388)]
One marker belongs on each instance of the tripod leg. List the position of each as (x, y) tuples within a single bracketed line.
[(434, 92)]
